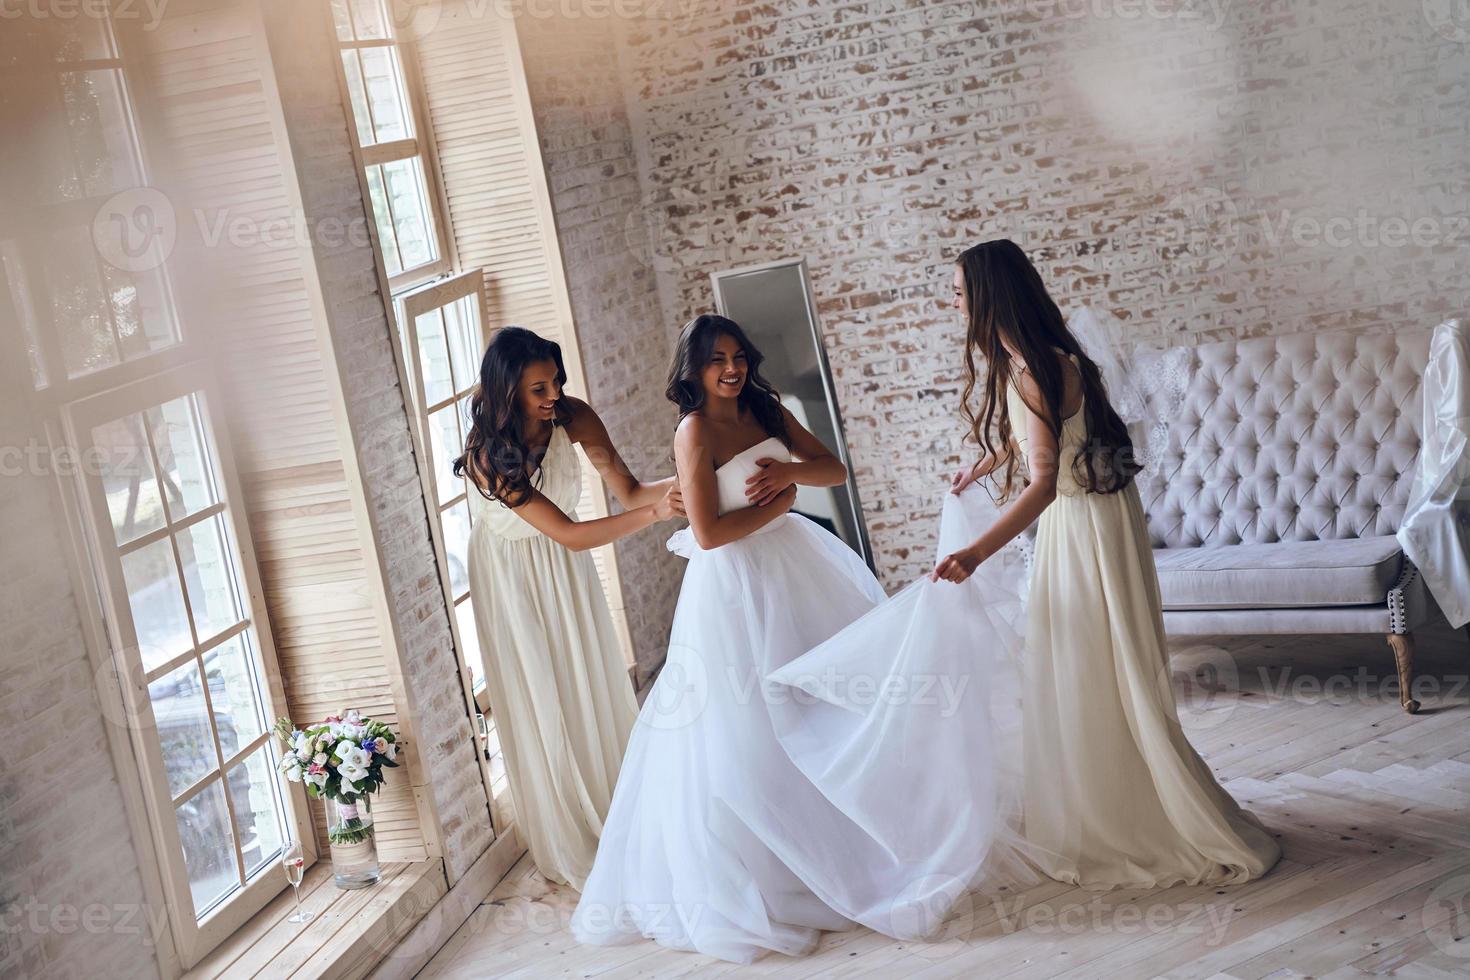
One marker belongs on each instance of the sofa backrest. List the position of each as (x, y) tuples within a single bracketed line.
[(1293, 438)]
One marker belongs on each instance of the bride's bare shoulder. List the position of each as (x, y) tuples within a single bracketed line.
[(692, 430)]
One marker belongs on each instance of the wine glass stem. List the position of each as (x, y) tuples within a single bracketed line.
[(296, 893)]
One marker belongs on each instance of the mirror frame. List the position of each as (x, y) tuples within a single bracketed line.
[(865, 548)]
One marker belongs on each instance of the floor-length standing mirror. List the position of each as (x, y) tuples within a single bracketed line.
[(773, 303)]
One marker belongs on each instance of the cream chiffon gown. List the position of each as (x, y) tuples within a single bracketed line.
[(558, 688), (1114, 795)]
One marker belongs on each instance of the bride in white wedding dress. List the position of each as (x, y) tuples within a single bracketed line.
[(750, 815)]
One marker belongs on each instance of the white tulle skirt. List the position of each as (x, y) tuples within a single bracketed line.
[(770, 793)]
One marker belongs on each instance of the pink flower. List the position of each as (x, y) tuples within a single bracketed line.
[(380, 745), (330, 719), (316, 768)]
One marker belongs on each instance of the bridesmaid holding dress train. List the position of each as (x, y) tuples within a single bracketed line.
[(558, 688), (1114, 794)]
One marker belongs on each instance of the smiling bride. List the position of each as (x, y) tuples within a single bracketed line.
[(733, 831)]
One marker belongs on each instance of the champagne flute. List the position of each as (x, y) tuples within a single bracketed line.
[(295, 864)]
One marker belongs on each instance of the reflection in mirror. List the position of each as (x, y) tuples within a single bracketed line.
[(774, 304)]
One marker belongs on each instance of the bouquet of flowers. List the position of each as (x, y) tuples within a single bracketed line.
[(339, 758)]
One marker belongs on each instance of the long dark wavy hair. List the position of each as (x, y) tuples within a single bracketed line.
[(1009, 304), (496, 456), (692, 354)]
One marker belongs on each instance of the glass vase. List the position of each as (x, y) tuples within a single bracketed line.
[(352, 841)]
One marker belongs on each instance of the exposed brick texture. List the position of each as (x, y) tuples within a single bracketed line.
[(71, 900), (1174, 162), (378, 415), (587, 148)]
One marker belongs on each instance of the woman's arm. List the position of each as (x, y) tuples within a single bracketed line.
[(1041, 460), (695, 462), (587, 428), (550, 520), (815, 466)]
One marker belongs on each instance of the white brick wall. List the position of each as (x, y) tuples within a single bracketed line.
[(71, 900), (378, 415), (1175, 162)]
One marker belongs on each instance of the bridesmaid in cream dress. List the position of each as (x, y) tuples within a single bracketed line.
[(558, 688), (1114, 794)]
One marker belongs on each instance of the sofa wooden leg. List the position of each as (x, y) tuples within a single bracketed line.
[(1403, 658)]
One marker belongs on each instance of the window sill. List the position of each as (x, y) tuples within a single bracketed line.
[(350, 932)]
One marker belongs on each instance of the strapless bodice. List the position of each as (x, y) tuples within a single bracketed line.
[(731, 476)]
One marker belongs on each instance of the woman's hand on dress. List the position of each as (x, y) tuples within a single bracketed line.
[(783, 501), (671, 504), (957, 566), (963, 477), (773, 478)]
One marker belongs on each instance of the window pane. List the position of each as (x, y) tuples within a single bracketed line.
[(405, 185), (252, 785), (357, 94), (209, 577), (367, 17), (157, 603), (209, 850), (80, 308), (387, 236), (433, 357), (342, 20), (184, 735), (445, 444), (178, 438), (457, 545), (97, 124), (126, 470), (464, 341), (234, 693), (385, 94), (469, 640), (140, 311)]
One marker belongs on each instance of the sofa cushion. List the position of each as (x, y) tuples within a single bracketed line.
[(1290, 574)]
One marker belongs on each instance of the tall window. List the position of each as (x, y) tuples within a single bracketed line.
[(444, 333), (120, 382), (173, 578), (389, 139), (441, 325)]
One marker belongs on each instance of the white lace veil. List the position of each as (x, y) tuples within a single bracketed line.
[(1145, 387)]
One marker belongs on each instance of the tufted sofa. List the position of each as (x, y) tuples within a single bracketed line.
[(1282, 481)]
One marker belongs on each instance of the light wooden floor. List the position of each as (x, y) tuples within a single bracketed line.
[(1372, 807)]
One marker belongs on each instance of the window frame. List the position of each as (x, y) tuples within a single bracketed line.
[(411, 306), (419, 147), (194, 936)]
